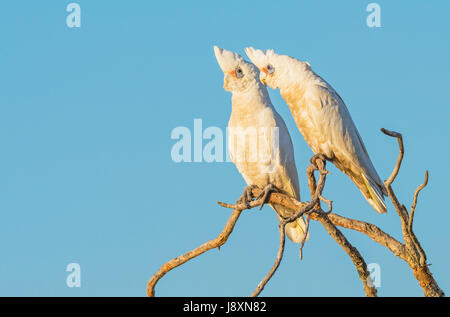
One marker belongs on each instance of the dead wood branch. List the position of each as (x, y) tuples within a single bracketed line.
[(313, 210), (413, 253), (353, 253), (215, 243), (410, 251), (299, 210), (335, 233)]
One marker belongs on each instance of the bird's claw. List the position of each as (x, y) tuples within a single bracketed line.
[(265, 195), (317, 156), (247, 196), (321, 158)]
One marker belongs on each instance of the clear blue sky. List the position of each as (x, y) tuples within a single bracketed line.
[(86, 114)]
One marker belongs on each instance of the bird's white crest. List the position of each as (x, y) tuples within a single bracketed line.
[(227, 60), (240, 75), (258, 57), (284, 69)]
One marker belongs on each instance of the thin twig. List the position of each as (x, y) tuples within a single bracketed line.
[(400, 156), (263, 283), (415, 241), (240, 205), (329, 203), (401, 210), (416, 195)]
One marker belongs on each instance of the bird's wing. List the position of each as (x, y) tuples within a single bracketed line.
[(287, 178), (287, 159), (344, 138)]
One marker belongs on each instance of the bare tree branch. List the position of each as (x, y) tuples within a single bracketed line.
[(410, 251), (372, 231), (333, 231), (215, 243), (353, 253), (314, 211), (414, 254)]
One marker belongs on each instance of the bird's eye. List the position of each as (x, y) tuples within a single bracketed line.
[(270, 69), (239, 72)]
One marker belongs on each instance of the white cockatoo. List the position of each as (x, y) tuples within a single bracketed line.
[(322, 118), (259, 143)]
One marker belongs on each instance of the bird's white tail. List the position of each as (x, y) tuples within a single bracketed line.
[(374, 198), (296, 230)]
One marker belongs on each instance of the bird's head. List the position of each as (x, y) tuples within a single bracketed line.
[(275, 70), (239, 75)]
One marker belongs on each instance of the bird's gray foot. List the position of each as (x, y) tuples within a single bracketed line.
[(247, 196), (319, 161), (319, 156), (265, 194)]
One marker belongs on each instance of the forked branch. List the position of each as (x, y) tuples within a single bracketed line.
[(410, 251), (413, 252)]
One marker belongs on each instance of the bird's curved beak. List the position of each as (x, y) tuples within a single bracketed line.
[(232, 73), (263, 75)]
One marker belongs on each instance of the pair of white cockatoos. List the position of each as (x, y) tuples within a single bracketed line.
[(319, 112)]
